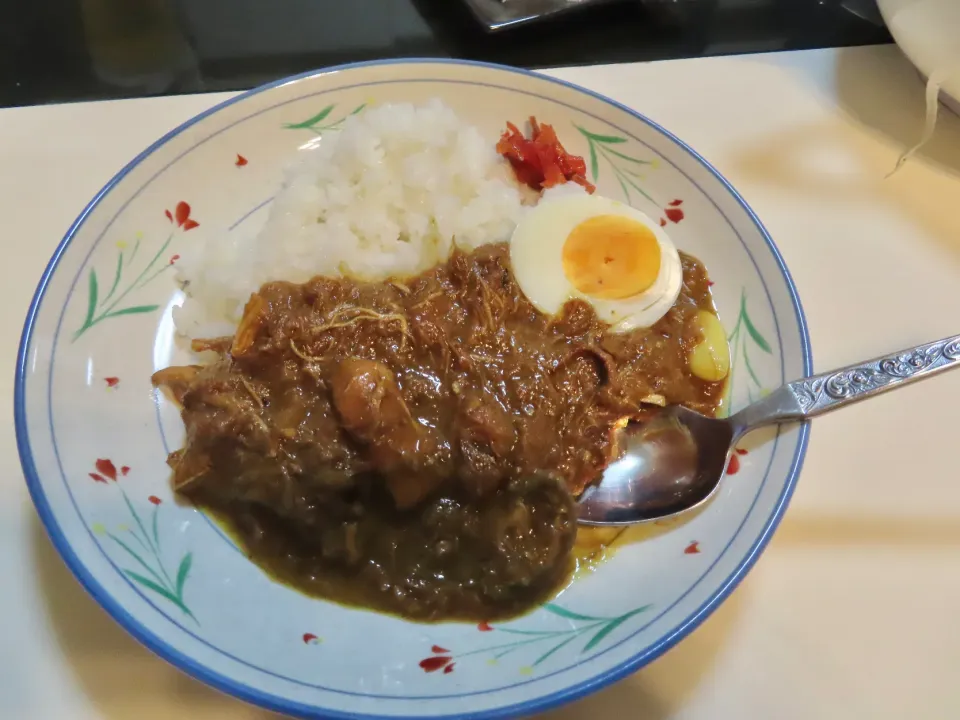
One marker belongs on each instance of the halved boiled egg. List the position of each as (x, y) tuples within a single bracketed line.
[(602, 251)]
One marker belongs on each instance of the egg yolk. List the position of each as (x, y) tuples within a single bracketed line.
[(611, 257)]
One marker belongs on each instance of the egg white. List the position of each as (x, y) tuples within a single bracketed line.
[(536, 253)]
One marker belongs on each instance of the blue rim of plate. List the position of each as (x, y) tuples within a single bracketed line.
[(284, 705)]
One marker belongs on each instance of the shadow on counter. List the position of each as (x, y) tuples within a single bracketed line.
[(662, 689), (882, 98), (896, 108), (120, 677)]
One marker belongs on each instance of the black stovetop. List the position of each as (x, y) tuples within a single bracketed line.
[(63, 50)]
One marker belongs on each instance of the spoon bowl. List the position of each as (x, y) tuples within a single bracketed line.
[(675, 461), (668, 465)]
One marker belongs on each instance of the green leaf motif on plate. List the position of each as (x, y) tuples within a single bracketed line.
[(143, 547), (183, 572), (591, 630), (92, 296), (744, 342), (316, 124), (310, 122), (604, 139), (568, 614), (135, 310), (625, 167), (112, 305)]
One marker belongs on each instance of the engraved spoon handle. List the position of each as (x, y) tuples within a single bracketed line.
[(812, 396)]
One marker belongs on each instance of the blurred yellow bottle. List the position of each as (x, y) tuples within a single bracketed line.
[(137, 44)]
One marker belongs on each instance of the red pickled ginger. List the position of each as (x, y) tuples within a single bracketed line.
[(541, 161)]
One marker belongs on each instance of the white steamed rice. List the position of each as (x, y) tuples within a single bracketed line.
[(390, 194)]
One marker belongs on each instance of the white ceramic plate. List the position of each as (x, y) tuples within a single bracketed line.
[(93, 435)]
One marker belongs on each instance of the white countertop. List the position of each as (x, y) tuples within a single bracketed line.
[(852, 610)]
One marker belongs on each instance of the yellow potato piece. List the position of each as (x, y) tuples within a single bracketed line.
[(710, 360)]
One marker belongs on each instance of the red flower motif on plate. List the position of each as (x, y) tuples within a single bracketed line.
[(181, 215), (436, 662), (673, 212), (733, 467), (106, 468), (674, 215)]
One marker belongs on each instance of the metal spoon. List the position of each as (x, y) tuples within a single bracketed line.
[(674, 462)]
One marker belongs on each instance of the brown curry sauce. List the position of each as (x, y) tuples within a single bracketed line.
[(415, 447)]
